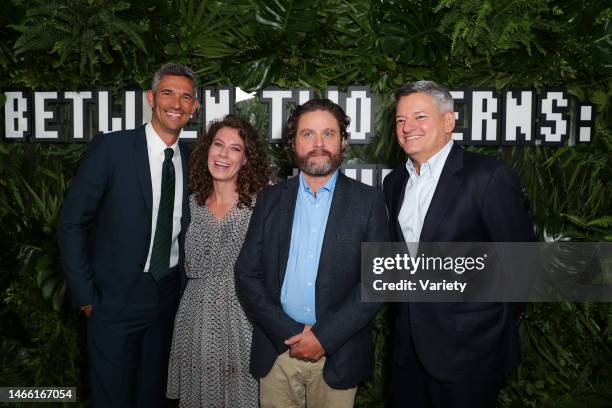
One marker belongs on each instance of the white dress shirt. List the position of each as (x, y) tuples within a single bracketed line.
[(155, 148), (420, 189)]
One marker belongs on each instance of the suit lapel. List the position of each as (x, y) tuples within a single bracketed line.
[(443, 198), (400, 190), (288, 198), (141, 158), (185, 215), (339, 204)]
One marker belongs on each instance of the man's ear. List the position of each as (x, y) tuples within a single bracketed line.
[(196, 105), (150, 98), (449, 122)]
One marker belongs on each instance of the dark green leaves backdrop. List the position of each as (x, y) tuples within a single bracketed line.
[(78, 44)]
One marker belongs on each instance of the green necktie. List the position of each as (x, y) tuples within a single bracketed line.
[(162, 243)]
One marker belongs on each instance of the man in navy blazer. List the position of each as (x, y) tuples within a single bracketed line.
[(299, 271), (450, 354), (120, 233)]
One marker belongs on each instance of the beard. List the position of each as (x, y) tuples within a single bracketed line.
[(318, 168)]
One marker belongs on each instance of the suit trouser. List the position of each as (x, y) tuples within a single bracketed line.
[(412, 386), (128, 354)]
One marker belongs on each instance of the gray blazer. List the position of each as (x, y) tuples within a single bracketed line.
[(343, 326)]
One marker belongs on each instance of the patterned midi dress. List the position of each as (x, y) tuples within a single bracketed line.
[(209, 360)]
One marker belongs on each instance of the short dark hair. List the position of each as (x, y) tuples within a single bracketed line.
[(174, 69), (441, 95), (317, 105)]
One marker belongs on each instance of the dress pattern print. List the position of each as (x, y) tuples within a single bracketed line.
[(211, 345)]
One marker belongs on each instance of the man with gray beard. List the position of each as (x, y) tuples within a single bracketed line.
[(298, 273)]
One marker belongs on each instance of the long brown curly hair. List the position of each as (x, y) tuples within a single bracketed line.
[(252, 177)]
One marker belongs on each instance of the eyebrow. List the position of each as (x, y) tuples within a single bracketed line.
[(176, 91), (412, 113), (217, 139), (312, 130)]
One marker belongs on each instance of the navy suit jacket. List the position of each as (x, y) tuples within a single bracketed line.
[(104, 229), (477, 199), (343, 326)]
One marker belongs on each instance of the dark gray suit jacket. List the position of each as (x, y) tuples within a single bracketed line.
[(343, 326)]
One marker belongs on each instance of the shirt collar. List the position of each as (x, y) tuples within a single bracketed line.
[(329, 185), (155, 144), (432, 168)]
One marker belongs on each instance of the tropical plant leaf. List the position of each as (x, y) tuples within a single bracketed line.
[(280, 15)]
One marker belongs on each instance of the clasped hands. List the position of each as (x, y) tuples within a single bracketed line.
[(305, 346)]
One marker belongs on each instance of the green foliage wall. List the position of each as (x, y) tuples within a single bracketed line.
[(72, 44)]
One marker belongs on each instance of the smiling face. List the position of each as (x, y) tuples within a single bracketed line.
[(172, 104), (421, 128), (226, 155)]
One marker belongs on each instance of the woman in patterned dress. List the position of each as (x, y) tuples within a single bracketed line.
[(209, 360)]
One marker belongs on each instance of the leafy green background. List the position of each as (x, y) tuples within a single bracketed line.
[(79, 44)]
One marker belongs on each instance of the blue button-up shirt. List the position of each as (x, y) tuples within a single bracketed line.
[(307, 233)]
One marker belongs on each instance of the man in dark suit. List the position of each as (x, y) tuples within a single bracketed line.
[(120, 233), (299, 271), (450, 354)]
